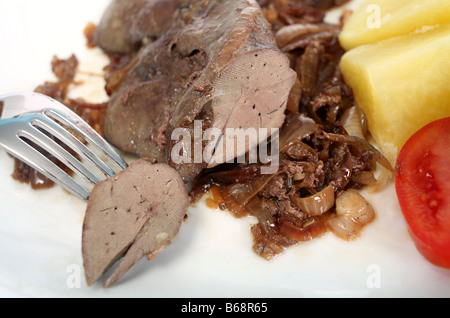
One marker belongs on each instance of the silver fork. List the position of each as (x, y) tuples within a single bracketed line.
[(30, 119)]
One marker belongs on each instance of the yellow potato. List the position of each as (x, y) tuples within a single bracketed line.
[(377, 20), (402, 84)]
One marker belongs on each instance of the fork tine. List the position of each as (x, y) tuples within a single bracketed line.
[(46, 143), (37, 118), (76, 123), (43, 165), (66, 137)]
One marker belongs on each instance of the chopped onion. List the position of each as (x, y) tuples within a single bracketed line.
[(353, 212), (316, 204)]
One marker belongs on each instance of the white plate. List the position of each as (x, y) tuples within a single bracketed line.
[(40, 231)]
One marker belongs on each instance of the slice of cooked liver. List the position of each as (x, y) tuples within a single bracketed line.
[(217, 62), (143, 206)]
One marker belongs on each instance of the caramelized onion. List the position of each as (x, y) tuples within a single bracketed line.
[(302, 233), (262, 211), (293, 104), (268, 241), (117, 78), (361, 145), (354, 122), (353, 212), (242, 193), (299, 35), (363, 178), (298, 150), (316, 204), (245, 175), (288, 33), (296, 127)]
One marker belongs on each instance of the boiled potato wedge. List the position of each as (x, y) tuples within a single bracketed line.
[(377, 20), (402, 84)]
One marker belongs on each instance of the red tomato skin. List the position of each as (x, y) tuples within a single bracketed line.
[(437, 255), (423, 189)]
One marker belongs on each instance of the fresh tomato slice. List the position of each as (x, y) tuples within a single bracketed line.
[(423, 189)]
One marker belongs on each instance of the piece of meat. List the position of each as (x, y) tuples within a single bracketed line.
[(135, 213), (218, 62), (126, 23)]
